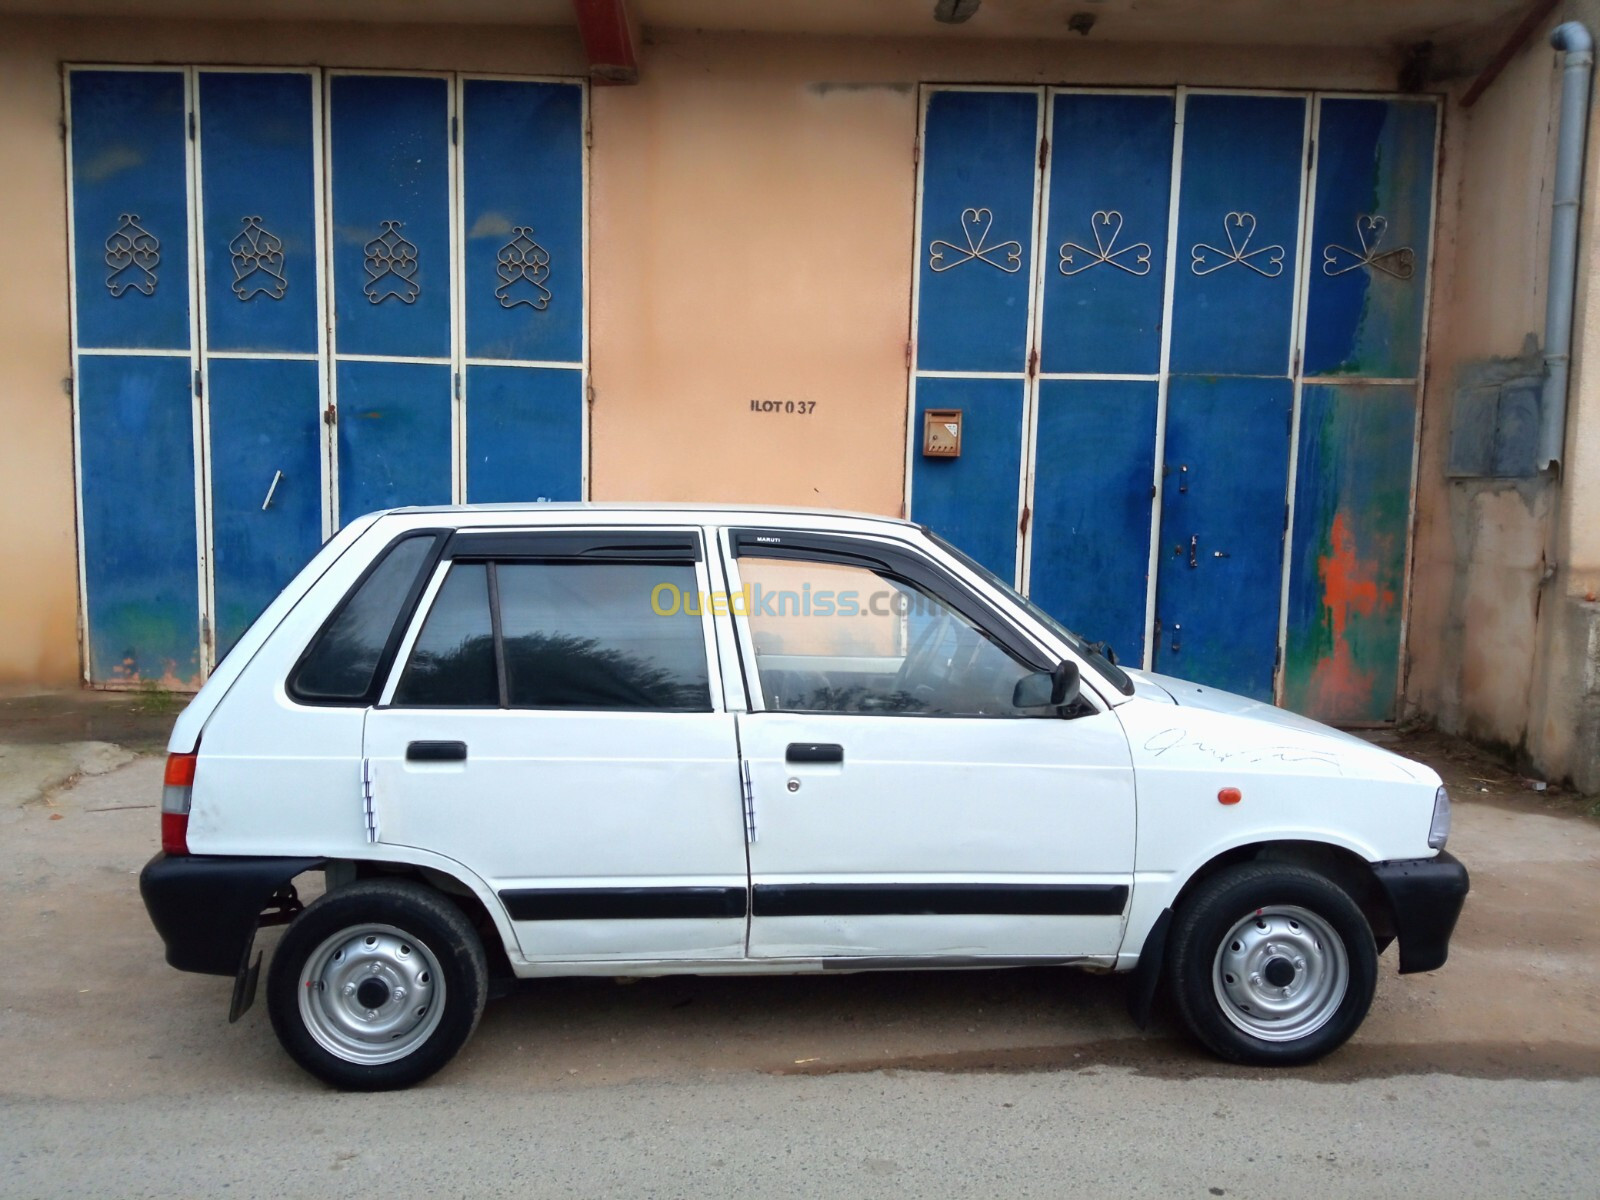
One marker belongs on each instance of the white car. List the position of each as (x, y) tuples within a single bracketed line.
[(552, 739)]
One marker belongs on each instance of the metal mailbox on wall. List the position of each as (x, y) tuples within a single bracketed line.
[(1186, 327), (299, 296)]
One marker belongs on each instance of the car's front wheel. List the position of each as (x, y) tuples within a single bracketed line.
[(1272, 964), (377, 985)]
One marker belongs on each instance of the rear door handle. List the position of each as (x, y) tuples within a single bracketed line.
[(436, 752), (814, 752)]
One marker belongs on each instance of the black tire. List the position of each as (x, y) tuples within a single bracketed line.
[(401, 942), (1294, 917)]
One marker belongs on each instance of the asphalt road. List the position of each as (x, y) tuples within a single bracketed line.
[(120, 1076)]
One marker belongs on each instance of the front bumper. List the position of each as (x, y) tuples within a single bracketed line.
[(206, 907), (1426, 895)]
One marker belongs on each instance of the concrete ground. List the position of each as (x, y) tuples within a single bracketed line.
[(120, 1076)]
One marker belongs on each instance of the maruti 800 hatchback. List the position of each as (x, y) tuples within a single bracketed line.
[(555, 739)]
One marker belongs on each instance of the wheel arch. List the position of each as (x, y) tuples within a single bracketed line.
[(497, 941), (1340, 865)]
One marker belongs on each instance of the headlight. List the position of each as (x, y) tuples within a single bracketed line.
[(1439, 830)]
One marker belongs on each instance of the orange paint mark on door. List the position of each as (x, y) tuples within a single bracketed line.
[(1349, 585)]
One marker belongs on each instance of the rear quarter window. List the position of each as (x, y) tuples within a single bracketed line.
[(341, 666)]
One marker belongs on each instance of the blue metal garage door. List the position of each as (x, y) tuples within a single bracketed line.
[(297, 299), (1132, 311)]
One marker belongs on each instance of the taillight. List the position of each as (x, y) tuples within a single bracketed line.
[(176, 793)]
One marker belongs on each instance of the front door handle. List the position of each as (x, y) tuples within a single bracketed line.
[(814, 752), (436, 752)]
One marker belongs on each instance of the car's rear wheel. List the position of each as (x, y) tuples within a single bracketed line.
[(1272, 964), (377, 985)]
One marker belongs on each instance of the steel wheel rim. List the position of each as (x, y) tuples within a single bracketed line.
[(371, 994), (1281, 973)]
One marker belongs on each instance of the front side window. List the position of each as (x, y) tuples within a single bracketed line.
[(578, 635), (838, 638)]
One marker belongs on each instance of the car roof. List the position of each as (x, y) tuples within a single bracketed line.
[(608, 512)]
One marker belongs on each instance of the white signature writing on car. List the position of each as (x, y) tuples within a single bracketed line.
[(1179, 739)]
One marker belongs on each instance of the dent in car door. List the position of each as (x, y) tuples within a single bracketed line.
[(555, 733), (901, 806)]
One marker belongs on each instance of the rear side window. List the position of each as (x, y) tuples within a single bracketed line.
[(453, 663), (341, 666), (598, 635), (571, 635)]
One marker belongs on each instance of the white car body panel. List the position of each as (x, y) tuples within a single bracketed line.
[(1126, 795)]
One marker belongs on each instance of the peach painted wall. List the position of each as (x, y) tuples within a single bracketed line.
[(1505, 638)]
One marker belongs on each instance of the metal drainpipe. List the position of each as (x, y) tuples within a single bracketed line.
[(1572, 37)]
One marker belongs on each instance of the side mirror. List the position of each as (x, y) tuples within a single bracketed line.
[(1047, 689), (1065, 681)]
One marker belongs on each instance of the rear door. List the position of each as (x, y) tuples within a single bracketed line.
[(554, 724), (900, 805)]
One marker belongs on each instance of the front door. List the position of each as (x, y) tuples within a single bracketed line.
[(899, 804), (552, 727)]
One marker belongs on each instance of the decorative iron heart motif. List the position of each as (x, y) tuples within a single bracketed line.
[(1371, 228), (1235, 224), (1107, 227), (975, 224)]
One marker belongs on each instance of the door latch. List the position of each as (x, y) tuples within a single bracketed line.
[(1194, 544)]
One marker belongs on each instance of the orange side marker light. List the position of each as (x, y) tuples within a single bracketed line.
[(1229, 796)]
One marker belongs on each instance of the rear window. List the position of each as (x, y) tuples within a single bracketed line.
[(341, 665)]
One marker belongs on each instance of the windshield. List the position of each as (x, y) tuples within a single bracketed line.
[(1090, 652)]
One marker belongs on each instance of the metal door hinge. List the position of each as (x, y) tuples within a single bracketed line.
[(194, 126), (749, 804), (458, 385), (455, 131), (199, 384), (588, 394), (207, 638), (1027, 517), (368, 807), (1044, 152), (588, 135), (910, 350), (1033, 362), (330, 415)]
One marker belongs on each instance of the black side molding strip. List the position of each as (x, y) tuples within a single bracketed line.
[(631, 904), (943, 899)]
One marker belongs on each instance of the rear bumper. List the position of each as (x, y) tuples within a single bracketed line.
[(206, 907), (1426, 895)]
